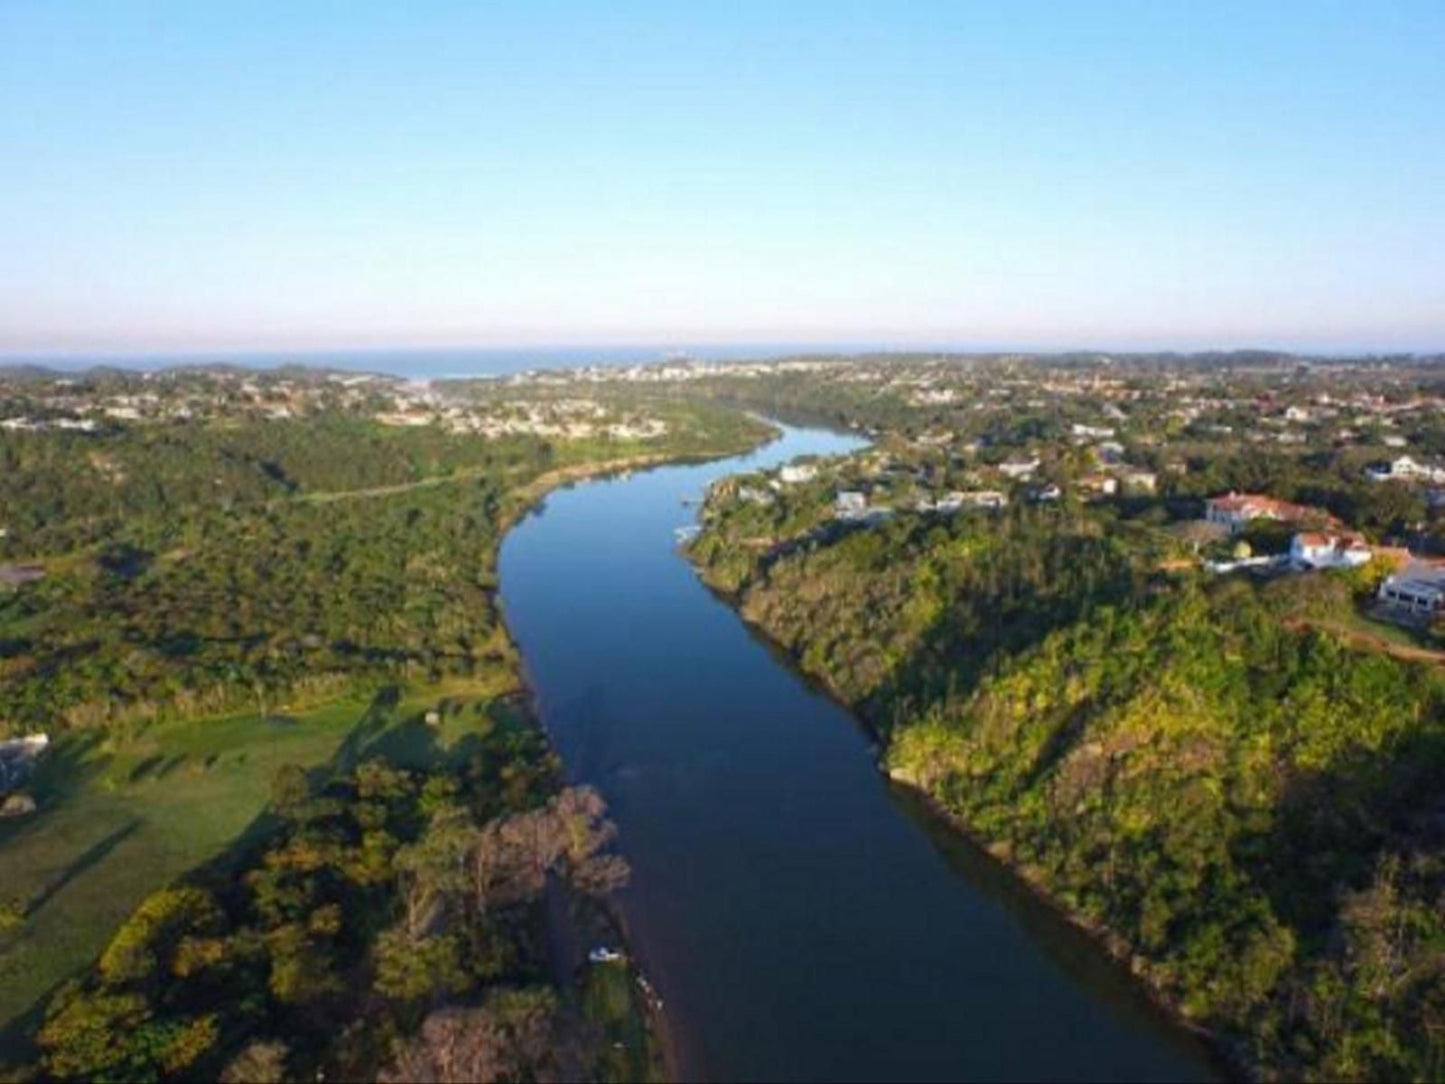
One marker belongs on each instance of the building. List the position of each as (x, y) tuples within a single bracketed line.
[(1315, 549), (1019, 468), (850, 504), (1098, 485), (793, 474), (1418, 589), (1139, 481), (978, 498), (1403, 469), (18, 575), (1042, 494), (18, 757), (1237, 510)]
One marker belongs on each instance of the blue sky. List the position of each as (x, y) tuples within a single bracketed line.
[(282, 175)]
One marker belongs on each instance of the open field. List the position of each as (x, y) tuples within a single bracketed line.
[(122, 815)]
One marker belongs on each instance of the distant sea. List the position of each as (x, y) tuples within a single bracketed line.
[(425, 363)]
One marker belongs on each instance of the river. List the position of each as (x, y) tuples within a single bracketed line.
[(800, 917)]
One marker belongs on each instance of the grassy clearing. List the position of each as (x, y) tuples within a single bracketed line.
[(611, 1000), (123, 814)]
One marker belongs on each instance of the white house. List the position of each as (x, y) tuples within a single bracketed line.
[(1418, 589), (850, 504), (1403, 468), (1319, 550), (18, 757), (1019, 468), (794, 474), (978, 498)]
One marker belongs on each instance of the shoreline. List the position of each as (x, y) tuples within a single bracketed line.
[(1220, 1055)]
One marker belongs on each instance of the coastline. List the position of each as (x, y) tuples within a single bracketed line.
[(1222, 1056)]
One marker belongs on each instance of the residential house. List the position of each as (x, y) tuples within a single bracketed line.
[(1416, 590), (1098, 485), (1139, 481), (18, 575), (18, 757), (1237, 510), (850, 504), (1403, 469), (1316, 549), (979, 498), (1018, 469)]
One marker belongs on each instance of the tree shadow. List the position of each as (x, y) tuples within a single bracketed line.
[(93, 855), (145, 767), (1330, 827)]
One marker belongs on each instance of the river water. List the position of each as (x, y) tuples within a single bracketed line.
[(801, 918)]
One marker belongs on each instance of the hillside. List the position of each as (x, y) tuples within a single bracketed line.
[(1245, 810)]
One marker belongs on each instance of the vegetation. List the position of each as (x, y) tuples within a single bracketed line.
[(386, 902), (1240, 803), (233, 600)]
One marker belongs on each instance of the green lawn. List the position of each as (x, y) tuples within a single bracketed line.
[(612, 1002), (120, 817)]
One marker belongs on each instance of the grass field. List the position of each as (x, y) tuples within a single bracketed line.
[(611, 1000), (121, 816)]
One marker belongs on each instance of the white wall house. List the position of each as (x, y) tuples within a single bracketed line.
[(1419, 589), (1318, 550), (1404, 469), (1019, 468)]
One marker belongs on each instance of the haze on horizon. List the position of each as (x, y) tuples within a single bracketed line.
[(1150, 175)]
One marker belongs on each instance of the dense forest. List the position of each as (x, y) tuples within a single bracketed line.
[(1245, 809), (394, 915), (191, 570)]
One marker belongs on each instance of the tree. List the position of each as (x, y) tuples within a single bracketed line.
[(516, 1035), (259, 1062), (153, 931), (434, 868), (409, 969)]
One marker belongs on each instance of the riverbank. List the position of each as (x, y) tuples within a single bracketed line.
[(1227, 1060), (640, 1019), (132, 805), (780, 895)]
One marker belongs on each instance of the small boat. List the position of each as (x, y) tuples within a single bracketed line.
[(604, 955)]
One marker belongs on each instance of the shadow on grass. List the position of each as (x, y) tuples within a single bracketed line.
[(92, 857), (406, 742), (17, 1036)]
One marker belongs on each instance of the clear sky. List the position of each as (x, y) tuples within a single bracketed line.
[(292, 174)]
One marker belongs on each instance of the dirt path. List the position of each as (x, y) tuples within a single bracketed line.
[(1366, 641)]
